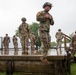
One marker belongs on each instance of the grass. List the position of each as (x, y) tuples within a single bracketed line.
[(73, 70)]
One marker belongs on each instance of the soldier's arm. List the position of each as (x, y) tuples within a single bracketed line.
[(51, 21), (13, 39), (40, 17), (28, 28), (9, 39), (62, 35), (3, 41), (56, 35), (19, 30)]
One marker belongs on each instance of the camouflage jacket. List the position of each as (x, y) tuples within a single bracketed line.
[(44, 22), (14, 40), (59, 35), (6, 40), (24, 29), (32, 37)]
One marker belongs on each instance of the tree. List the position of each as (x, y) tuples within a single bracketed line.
[(53, 44), (34, 28)]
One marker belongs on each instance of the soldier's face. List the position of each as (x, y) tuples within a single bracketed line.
[(23, 21), (47, 8)]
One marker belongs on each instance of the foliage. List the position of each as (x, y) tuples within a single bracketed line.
[(34, 28), (73, 69), (53, 43)]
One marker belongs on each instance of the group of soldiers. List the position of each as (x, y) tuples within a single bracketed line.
[(24, 44), (45, 19), (6, 42)]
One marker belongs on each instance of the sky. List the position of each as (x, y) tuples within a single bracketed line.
[(11, 12)]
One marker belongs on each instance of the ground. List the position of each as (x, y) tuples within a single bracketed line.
[(73, 69)]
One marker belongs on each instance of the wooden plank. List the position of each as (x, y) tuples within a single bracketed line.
[(30, 57)]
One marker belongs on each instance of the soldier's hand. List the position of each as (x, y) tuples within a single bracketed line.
[(71, 48), (48, 16)]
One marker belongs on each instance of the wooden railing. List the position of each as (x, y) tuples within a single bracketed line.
[(66, 37)]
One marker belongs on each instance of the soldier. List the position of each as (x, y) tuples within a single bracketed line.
[(59, 37), (23, 34), (32, 38), (6, 42), (15, 43), (73, 45), (45, 19), (36, 43)]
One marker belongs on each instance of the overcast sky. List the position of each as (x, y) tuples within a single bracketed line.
[(11, 12)]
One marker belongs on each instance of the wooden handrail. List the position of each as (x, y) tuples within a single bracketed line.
[(68, 38)]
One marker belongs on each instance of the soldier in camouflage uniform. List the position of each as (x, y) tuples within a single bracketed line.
[(6, 42), (36, 43), (45, 19), (23, 34), (32, 38), (73, 44), (59, 37), (15, 43)]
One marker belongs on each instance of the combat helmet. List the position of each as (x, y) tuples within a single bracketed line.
[(47, 4), (59, 29), (23, 19)]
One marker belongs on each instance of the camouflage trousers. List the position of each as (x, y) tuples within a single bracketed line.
[(24, 43), (32, 46), (15, 48), (59, 41), (44, 37), (6, 49)]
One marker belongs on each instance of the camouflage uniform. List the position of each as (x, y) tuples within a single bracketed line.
[(59, 37), (74, 43), (23, 33), (15, 43), (44, 27), (32, 38), (6, 42), (36, 42)]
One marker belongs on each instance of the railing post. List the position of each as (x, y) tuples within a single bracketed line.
[(9, 67)]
